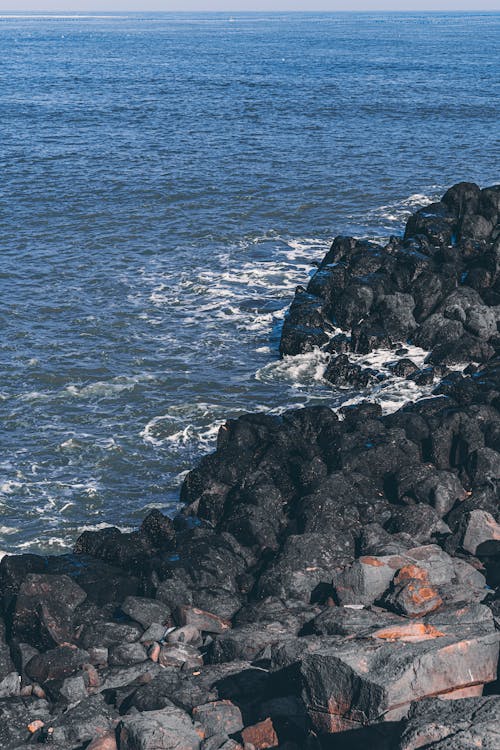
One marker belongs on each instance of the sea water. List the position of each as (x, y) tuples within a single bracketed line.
[(166, 182)]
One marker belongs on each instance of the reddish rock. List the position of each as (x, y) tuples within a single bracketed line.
[(414, 598), (105, 742), (261, 735), (357, 682)]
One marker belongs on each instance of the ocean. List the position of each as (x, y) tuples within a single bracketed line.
[(166, 182)]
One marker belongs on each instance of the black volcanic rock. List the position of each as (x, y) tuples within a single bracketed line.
[(332, 571)]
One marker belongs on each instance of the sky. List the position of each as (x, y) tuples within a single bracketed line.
[(97, 6)]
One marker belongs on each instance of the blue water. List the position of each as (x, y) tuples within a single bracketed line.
[(166, 181)]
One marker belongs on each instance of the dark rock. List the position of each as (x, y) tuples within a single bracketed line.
[(15, 716), (146, 611), (83, 722), (458, 724), (166, 729), (106, 634), (203, 621), (159, 529), (126, 654), (356, 683), (218, 717), (343, 373), (56, 663)]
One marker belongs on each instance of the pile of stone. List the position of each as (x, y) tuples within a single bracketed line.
[(437, 287), (333, 580)]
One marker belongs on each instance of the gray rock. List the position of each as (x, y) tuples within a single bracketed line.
[(204, 621), (127, 654), (219, 717), (481, 534), (56, 663), (354, 683), (146, 611), (106, 634), (453, 725), (180, 654), (167, 729)]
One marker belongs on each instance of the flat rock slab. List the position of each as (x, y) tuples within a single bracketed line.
[(354, 683), (453, 725), (168, 729)]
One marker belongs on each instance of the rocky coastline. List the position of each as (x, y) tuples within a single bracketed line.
[(333, 580)]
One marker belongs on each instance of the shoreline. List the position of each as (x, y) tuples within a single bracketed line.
[(327, 570)]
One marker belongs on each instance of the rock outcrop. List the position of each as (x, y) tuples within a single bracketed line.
[(333, 579)]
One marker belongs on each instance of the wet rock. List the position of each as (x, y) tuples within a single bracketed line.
[(167, 729), (459, 724), (113, 546), (218, 717), (343, 373), (146, 611), (56, 663), (159, 529), (404, 368)]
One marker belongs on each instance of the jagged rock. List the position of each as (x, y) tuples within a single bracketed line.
[(481, 534), (218, 717), (180, 654), (203, 621), (247, 642), (261, 735), (167, 729), (81, 723), (107, 634), (56, 663), (126, 654), (453, 725), (355, 683), (146, 611), (15, 716), (413, 598), (44, 610)]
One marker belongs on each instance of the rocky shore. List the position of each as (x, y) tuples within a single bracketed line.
[(333, 580)]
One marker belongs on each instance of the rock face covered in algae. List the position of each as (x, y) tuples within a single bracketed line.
[(333, 580)]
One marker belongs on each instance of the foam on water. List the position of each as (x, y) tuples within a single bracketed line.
[(154, 231)]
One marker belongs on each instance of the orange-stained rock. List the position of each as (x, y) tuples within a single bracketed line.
[(35, 725), (154, 652), (407, 572), (358, 681), (105, 742), (411, 633), (261, 735), (413, 598), (204, 621)]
